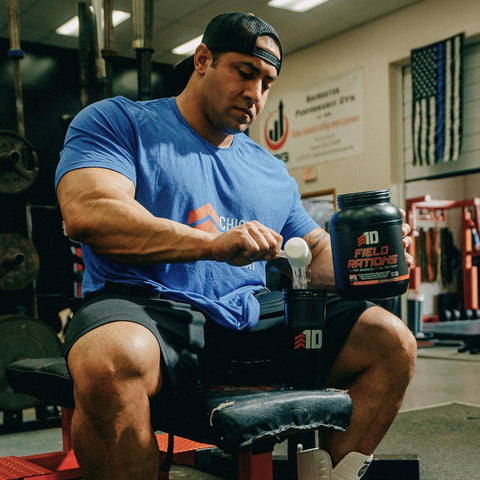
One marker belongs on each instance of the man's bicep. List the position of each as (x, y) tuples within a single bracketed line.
[(87, 196)]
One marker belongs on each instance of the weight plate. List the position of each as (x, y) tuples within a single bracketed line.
[(23, 337), (19, 262), (18, 163)]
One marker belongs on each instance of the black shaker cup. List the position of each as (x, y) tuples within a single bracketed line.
[(305, 320)]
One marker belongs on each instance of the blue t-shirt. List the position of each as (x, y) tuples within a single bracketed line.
[(180, 176)]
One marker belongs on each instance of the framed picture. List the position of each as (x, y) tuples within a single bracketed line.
[(321, 206)]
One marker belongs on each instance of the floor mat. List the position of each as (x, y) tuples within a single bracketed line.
[(446, 438), (447, 353)]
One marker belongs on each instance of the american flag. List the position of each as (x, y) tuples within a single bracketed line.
[(437, 77)]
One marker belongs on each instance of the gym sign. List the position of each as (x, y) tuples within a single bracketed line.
[(321, 123)]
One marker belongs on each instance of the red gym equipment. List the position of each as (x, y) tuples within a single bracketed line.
[(417, 206)]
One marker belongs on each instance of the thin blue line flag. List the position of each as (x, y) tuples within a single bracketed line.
[(437, 78)]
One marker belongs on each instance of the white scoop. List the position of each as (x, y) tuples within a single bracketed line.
[(297, 252)]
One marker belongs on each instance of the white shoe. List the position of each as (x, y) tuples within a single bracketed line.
[(313, 464), (352, 466)]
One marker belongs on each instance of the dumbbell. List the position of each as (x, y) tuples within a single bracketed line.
[(446, 315), (456, 314)]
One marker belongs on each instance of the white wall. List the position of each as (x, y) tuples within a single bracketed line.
[(379, 48)]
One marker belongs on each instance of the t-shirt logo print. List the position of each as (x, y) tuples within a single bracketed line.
[(204, 218)]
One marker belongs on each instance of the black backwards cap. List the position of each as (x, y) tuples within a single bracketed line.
[(236, 32)]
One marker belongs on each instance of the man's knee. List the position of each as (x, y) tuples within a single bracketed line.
[(109, 359), (388, 337), (381, 341)]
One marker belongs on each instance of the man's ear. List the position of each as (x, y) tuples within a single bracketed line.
[(202, 58)]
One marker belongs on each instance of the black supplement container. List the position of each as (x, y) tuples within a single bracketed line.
[(368, 254)]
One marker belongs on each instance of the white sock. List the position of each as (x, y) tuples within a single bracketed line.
[(352, 466), (313, 464)]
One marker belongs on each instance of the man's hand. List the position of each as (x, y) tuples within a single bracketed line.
[(245, 244)]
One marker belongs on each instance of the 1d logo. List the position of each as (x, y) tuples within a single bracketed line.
[(309, 340), (368, 238), (275, 130)]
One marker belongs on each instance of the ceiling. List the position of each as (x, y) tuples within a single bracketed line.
[(177, 21)]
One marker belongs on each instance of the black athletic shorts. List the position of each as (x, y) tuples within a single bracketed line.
[(196, 349)]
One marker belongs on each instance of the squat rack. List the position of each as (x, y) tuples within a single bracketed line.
[(469, 250)]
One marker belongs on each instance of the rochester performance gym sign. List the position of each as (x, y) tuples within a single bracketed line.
[(321, 123)]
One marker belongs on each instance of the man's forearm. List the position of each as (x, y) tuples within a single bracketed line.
[(99, 210), (320, 272), (131, 234)]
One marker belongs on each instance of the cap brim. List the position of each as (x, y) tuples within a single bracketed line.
[(185, 66)]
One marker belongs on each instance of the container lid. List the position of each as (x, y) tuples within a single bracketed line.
[(363, 198), (303, 294)]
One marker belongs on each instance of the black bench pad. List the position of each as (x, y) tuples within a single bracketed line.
[(227, 416), (47, 379)]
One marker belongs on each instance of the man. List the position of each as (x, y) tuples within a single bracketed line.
[(178, 212)]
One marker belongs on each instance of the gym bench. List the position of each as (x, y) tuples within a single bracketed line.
[(246, 422)]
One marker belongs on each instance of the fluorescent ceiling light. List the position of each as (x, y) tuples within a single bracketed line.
[(296, 5), (189, 47), (71, 27)]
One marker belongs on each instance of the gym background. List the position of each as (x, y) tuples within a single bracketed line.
[(381, 49), (50, 83)]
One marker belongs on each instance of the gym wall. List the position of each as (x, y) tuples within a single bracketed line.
[(380, 48), (51, 95)]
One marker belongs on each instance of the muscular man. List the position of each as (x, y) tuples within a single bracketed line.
[(177, 211)]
